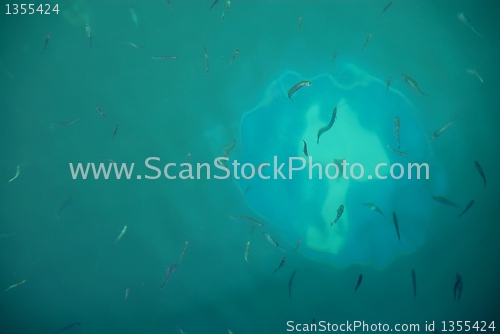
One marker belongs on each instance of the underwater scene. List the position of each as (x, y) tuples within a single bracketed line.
[(243, 167)]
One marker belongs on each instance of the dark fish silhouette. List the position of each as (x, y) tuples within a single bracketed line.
[(444, 200), (340, 210), (68, 327), (305, 147), (68, 203), (290, 281), (480, 170), (385, 8), (374, 207), (414, 280), (359, 282), (283, 260), (457, 290), (467, 208), (326, 128), (396, 224)]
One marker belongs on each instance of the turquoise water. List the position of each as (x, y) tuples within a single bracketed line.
[(60, 234)]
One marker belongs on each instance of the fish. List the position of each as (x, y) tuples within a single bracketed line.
[(445, 201), (134, 17), (220, 162), (395, 219), (68, 203), (228, 148), (327, 127), (290, 281), (473, 71), (413, 84), (206, 58), (134, 45), (249, 219), (360, 279), (340, 210), (170, 270), (374, 207), (126, 293), (186, 244), (247, 250), (298, 243), (114, 134), (235, 53), (214, 4), (251, 174), (414, 280), (247, 189), (283, 260), (165, 57), (187, 159), (226, 7), (305, 148), (338, 163), (68, 327), (47, 39), (298, 86), (271, 240), (52, 124), (398, 152), (385, 8), (479, 169), (457, 289), (300, 23), (230, 332), (180, 330), (15, 285), (461, 16), (170, 3), (333, 59), (467, 208), (121, 234), (100, 111), (366, 42), (18, 170), (438, 132), (397, 124), (388, 83), (89, 35)]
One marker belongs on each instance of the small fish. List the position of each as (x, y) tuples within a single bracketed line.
[(170, 270), (398, 152), (479, 169), (47, 39), (395, 219), (444, 200), (134, 45), (121, 234), (397, 124), (438, 132), (298, 86), (170, 3), (221, 162), (414, 280), (226, 7), (100, 111), (366, 42), (228, 149), (134, 17), (18, 170), (413, 84), (340, 210), (300, 23), (467, 208), (374, 207), (180, 330), (247, 250), (290, 281), (281, 264), (360, 279), (235, 53), (333, 59), (214, 4), (271, 240), (230, 332), (114, 134), (186, 244), (461, 16), (457, 289), (246, 190), (15, 285), (68, 327), (388, 83), (251, 174), (126, 293), (385, 8), (68, 203), (249, 219), (187, 160), (206, 58), (327, 127), (305, 147), (473, 71), (298, 243), (165, 57), (52, 124), (89, 35)]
